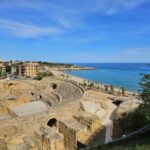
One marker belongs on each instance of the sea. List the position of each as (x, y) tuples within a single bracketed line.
[(127, 75)]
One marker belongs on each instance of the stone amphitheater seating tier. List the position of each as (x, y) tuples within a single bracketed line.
[(68, 91), (53, 99), (4, 116)]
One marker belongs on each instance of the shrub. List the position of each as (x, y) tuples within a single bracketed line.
[(41, 75)]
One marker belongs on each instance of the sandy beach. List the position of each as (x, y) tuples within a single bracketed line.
[(80, 80)]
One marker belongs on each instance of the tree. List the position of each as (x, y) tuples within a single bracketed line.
[(91, 84), (106, 87), (84, 83), (123, 90), (0, 72), (145, 96), (41, 75), (97, 85), (67, 76), (112, 89)]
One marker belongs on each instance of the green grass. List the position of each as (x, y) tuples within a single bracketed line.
[(140, 142)]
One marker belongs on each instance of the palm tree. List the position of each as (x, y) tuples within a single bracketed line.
[(91, 84), (68, 77), (106, 87), (0, 73), (97, 85), (123, 90), (84, 83), (112, 89), (88, 82)]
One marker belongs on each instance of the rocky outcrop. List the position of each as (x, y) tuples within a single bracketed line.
[(123, 110), (92, 107)]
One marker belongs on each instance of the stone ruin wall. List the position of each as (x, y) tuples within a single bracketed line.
[(72, 135)]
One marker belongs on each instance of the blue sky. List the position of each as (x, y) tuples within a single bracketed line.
[(75, 30)]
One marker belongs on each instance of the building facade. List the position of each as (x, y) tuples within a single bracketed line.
[(2, 68), (27, 70)]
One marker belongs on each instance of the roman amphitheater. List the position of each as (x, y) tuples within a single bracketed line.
[(53, 114)]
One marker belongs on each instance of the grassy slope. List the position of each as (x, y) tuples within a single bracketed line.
[(141, 142)]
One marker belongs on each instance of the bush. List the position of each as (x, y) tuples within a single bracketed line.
[(145, 96), (41, 75), (132, 121)]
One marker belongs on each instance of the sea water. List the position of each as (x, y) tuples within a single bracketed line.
[(117, 74)]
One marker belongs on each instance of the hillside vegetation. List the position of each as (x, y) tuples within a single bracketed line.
[(140, 142), (132, 121)]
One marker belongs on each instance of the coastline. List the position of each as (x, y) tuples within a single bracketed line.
[(80, 80), (72, 68), (126, 75)]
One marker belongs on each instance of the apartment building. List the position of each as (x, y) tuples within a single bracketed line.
[(2, 67), (27, 69)]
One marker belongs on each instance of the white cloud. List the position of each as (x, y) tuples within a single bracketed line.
[(27, 31), (67, 14), (138, 52), (126, 55), (116, 6)]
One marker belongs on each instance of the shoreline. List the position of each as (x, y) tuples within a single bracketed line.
[(115, 88), (82, 80), (94, 81), (73, 68)]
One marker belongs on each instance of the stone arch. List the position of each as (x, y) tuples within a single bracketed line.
[(80, 145), (40, 96), (10, 84), (52, 122), (117, 102), (54, 86)]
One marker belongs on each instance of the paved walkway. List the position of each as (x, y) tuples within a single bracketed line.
[(104, 134), (108, 121)]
